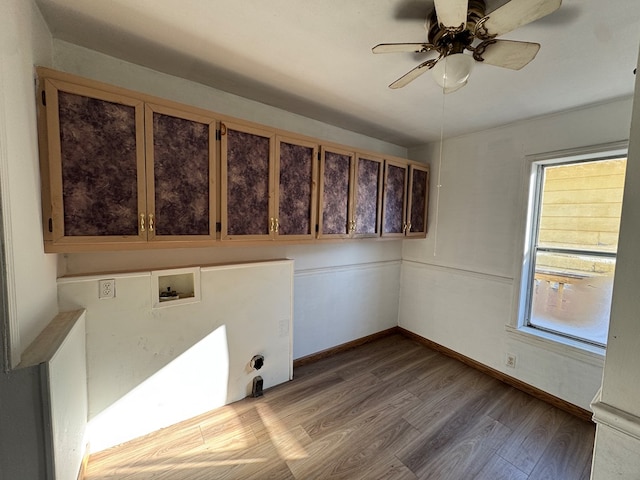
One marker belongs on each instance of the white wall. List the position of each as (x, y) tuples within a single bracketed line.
[(152, 367), (24, 41), (459, 291), (335, 305)]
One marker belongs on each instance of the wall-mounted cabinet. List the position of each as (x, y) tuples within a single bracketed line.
[(296, 173), (122, 169), (406, 188), (268, 185), (181, 176), (395, 199), (96, 165), (247, 168), (418, 201), (367, 196), (350, 194), (336, 187)]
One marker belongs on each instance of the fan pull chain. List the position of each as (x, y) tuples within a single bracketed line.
[(439, 185)]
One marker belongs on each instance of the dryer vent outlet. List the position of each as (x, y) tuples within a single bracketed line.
[(257, 362)]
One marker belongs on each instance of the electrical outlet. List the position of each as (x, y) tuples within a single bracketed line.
[(510, 360), (107, 288)]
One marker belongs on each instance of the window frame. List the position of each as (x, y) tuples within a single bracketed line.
[(532, 195)]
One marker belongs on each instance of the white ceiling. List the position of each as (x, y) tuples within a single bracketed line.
[(313, 57)]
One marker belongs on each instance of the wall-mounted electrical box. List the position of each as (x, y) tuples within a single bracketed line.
[(175, 287)]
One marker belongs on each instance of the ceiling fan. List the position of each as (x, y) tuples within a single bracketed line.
[(458, 25)]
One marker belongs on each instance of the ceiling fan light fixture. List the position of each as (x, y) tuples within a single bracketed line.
[(452, 71)]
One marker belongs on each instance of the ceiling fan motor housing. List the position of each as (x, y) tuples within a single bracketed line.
[(449, 41)]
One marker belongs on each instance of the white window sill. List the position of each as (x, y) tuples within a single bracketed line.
[(556, 343)]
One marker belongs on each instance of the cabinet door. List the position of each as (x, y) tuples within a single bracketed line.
[(395, 199), (180, 174), (367, 196), (95, 141), (246, 179), (336, 180), (418, 201), (295, 192)]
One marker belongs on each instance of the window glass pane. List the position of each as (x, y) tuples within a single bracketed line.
[(581, 205), (572, 295), (573, 250)]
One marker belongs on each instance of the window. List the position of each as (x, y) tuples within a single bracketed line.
[(570, 256)]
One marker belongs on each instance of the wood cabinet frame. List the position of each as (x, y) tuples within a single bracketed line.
[(57, 240), (56, 224), (313, 189), (411, 228), (348, 197), (386, 201), (152, 216), (408, 229), (375, 185), (269, 229)]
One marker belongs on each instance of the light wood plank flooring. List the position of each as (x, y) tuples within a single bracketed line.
[(389, 410)]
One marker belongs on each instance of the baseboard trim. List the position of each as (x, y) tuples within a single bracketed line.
[(514, 382), (314, 357)]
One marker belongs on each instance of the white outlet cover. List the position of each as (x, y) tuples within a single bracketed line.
[(107, 288)]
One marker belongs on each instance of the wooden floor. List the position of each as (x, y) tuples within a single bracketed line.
[(389, 410)]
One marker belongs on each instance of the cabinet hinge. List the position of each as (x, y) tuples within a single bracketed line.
[(44, 98), (51, 225), (218, 135), (218, 227)]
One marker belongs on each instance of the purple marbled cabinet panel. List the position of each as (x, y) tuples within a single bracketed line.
[(181, 175), (419, 200), (296, 177), (368, 175), (335, 195), (99, 171), (393, 199), (248, 183)]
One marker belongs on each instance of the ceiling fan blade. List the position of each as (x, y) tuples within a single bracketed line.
[(451, 13), (515, 14), (413, 74), (403, 47), (506, 53)]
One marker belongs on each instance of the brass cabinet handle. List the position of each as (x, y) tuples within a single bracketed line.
[(271, 224), (151, 222), (352, 226), (142, 228), (277, 225), (408, 227)]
